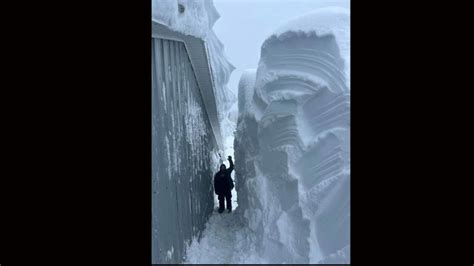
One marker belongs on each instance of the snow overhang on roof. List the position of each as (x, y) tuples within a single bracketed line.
[(199, 57)]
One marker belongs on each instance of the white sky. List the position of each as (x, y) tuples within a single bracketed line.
[(245, 24)]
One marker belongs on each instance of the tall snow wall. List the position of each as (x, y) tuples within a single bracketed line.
[(292, 142), (189, 94)]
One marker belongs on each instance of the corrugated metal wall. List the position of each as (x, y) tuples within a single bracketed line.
[(182, 142)]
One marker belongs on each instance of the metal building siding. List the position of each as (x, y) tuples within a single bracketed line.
[(198, 56), (182, 193)]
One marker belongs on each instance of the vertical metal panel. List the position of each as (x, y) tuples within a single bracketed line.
[(154, 152), (199, 59), (182, 142)]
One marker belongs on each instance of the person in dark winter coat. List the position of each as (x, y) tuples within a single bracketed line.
[(223, 184)]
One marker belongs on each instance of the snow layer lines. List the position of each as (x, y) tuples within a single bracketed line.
[(333, 21), (292, 142)]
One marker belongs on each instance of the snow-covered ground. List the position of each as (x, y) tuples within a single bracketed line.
[(226, 240)]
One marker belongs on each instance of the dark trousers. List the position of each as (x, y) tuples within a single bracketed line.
[(227, 198)]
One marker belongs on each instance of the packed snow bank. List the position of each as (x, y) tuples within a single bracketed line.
[(292, 142), (197, 19)]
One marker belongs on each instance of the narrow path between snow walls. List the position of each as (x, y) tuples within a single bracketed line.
[(292, 164)]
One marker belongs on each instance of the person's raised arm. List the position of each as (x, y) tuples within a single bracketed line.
[(231, 164)]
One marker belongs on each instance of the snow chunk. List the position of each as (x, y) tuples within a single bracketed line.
[(169, 253), (196, 20)]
